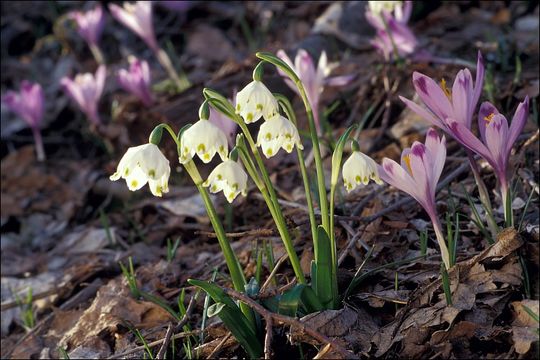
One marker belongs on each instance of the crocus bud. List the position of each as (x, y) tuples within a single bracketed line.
[(86, 91), (138, 18), (89, 24), (136, 80)]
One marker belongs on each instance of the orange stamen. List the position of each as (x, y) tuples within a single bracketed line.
[(445, 89), (407, 160), (489, 118)]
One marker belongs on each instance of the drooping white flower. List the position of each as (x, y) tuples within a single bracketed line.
[(359, 168), (228, 177), (254, 101), (144, 164), (278, 132), (204, 139)]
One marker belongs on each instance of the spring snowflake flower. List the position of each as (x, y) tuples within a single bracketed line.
[(359, 168), (144, 164), (204, 139), (278, 132), (229, 177), (254, 101)]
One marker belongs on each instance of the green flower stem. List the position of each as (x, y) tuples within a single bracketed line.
[(317, 154), (333, 247), (287, 108), (484, 196), (165, 61), (96, 52), (272, 198), (237, 275)]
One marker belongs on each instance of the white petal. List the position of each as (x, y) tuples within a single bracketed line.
[(204, 139), (255, 101)]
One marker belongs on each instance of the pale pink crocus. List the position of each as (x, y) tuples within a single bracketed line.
[(136, 80), (28, 103), (86, 90), (138, 18), (389, 18), (496, 140), (90, 27), (227, 125), (459, 103), (418, 175), (313, 79)]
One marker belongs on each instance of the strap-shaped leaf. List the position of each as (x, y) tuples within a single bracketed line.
[(324, 268), (272, 59), (232, 317)]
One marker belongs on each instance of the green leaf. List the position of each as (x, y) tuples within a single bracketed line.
[(232, 317), (289, 301), (215, 309), (323, 269), (337, 156), (220, 103), (272, 59)]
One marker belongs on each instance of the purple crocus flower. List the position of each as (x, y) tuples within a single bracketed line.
[(28, 104), (90, 26), (418, 175), (85, 90), (389, 18), (136, 80), (138, 18), (496, 139), (442, 103), (313, 79)]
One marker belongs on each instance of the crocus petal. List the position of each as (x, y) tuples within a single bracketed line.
[(101, 73), (341, 80), (390, 172), (423, 112), (467, 138), (496, 136), (461, 96), (487, 110), (518, 122), (432, 95), (437, 153), (478, 83), (420, 166)]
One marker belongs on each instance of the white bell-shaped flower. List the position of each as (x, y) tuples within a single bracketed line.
[(204, 139), (144, 164), (278, 132), (254, 101), (229, 177), (359, 168)]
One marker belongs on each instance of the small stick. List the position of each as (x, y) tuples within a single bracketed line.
[(269, 316), (273, 273), (255, 232), (268, 339), (163, 350), (219, 346)]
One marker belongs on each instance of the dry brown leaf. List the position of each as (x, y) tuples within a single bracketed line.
[(351, 327), (522, 318)]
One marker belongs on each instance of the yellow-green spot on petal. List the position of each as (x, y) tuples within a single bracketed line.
[(289, 148), (235, 186), (288, 136), (152, 173), (358, 179), (259, 107), (249, 117), (269, 152), (219, 177), (214, 188), (221, 148), (126, 172), (238, 107), (366, 179), (206, 156), (201, 148), (268, 136), (134, 183)]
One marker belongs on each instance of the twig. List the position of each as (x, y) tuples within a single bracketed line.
[(273, 273), (268, 339), (356, 237), (269, 316), (163, 350), (186, 316), (219, 346)]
